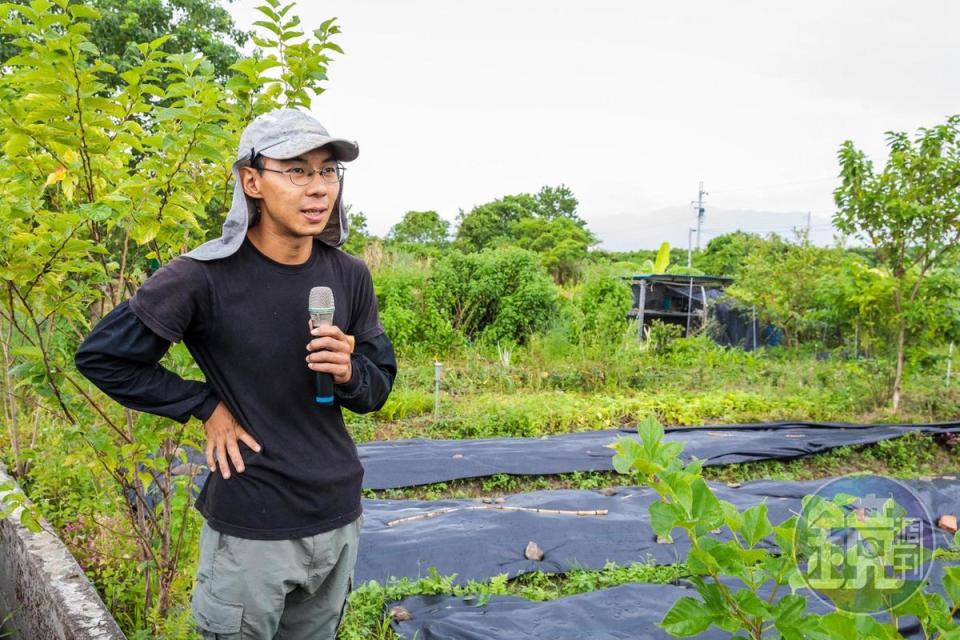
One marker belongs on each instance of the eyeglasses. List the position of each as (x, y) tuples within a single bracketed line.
[(301, 176)]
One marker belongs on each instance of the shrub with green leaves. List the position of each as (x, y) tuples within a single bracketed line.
[(662, 335), (104, 174), (410, 316), (494, 295), (603, 303), (738, 579)]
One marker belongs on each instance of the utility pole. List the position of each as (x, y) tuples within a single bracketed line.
[(808, 227), (698, 207)]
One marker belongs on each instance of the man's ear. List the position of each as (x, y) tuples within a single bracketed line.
[(250, 182)]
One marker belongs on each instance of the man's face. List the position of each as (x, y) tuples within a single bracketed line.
[(290, 210)]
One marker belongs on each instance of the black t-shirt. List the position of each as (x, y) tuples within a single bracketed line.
[(244, 318)]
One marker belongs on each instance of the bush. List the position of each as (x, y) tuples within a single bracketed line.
[(662, 335), (410, 318), (497, 294), (604, 303)]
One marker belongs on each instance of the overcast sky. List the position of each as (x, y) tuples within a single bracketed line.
[(629, 103)]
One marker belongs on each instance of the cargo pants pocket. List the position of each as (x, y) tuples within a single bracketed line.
[(216, 618)]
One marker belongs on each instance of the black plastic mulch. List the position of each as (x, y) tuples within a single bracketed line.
[(626, 612), (407, 463), (478, 540)]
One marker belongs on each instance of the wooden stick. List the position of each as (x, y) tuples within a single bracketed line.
[(423, 516), (497, 507), (558, 512)]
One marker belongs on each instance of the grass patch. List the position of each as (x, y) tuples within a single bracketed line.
[(366, 617)]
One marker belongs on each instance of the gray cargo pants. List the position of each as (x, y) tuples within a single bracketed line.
[(274, 589)]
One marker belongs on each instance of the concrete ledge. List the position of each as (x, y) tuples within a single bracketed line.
[(44, 590)]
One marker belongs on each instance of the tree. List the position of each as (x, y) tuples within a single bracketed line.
[(725, 254), (546, 223), (98, 182), (909, 213), (561, 243), (778, 278), (197, 26), (858, 298), (558, 202), (359, 236), (202, 26), (494, 223), (421, 227), (489, 224)]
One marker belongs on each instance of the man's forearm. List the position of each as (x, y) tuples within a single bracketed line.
[(121, 357), (374, 369)]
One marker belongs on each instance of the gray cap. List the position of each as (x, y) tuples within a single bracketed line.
[(287, 133), (279, 134)]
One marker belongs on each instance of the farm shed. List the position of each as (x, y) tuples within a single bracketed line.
[(688, 301)]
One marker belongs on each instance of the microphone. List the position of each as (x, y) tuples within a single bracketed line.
[(320, 306)]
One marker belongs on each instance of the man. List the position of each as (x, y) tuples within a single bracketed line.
[(282, 501)]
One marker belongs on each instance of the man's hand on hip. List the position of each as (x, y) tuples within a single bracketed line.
[(330, 351), (223, 435)]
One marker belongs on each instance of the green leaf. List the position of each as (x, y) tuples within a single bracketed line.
[(680, 486), (628, 450), (731, 517), (700, 560), (290, 35), (28, 351), (783, 535), (790, 607), (663, 518), (663, 259), (688, 617), (794, 625), (840, 626), (83, 11), (88, 47), (751, 604), (30, 518), (267, 11), (705, 509), (650, 432), (16, 144), (728, 558), (951, 583), (756, 524), (269, 26), (263, 42)]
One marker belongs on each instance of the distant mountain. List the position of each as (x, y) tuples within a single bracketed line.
[(627, 231)]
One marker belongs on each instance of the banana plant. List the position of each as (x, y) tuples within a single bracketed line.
[(661, 264)]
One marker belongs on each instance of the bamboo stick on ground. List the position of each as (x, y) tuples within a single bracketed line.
[(497, 507)]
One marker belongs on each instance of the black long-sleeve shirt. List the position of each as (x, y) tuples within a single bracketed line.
[(122, 355), (244, 320)]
